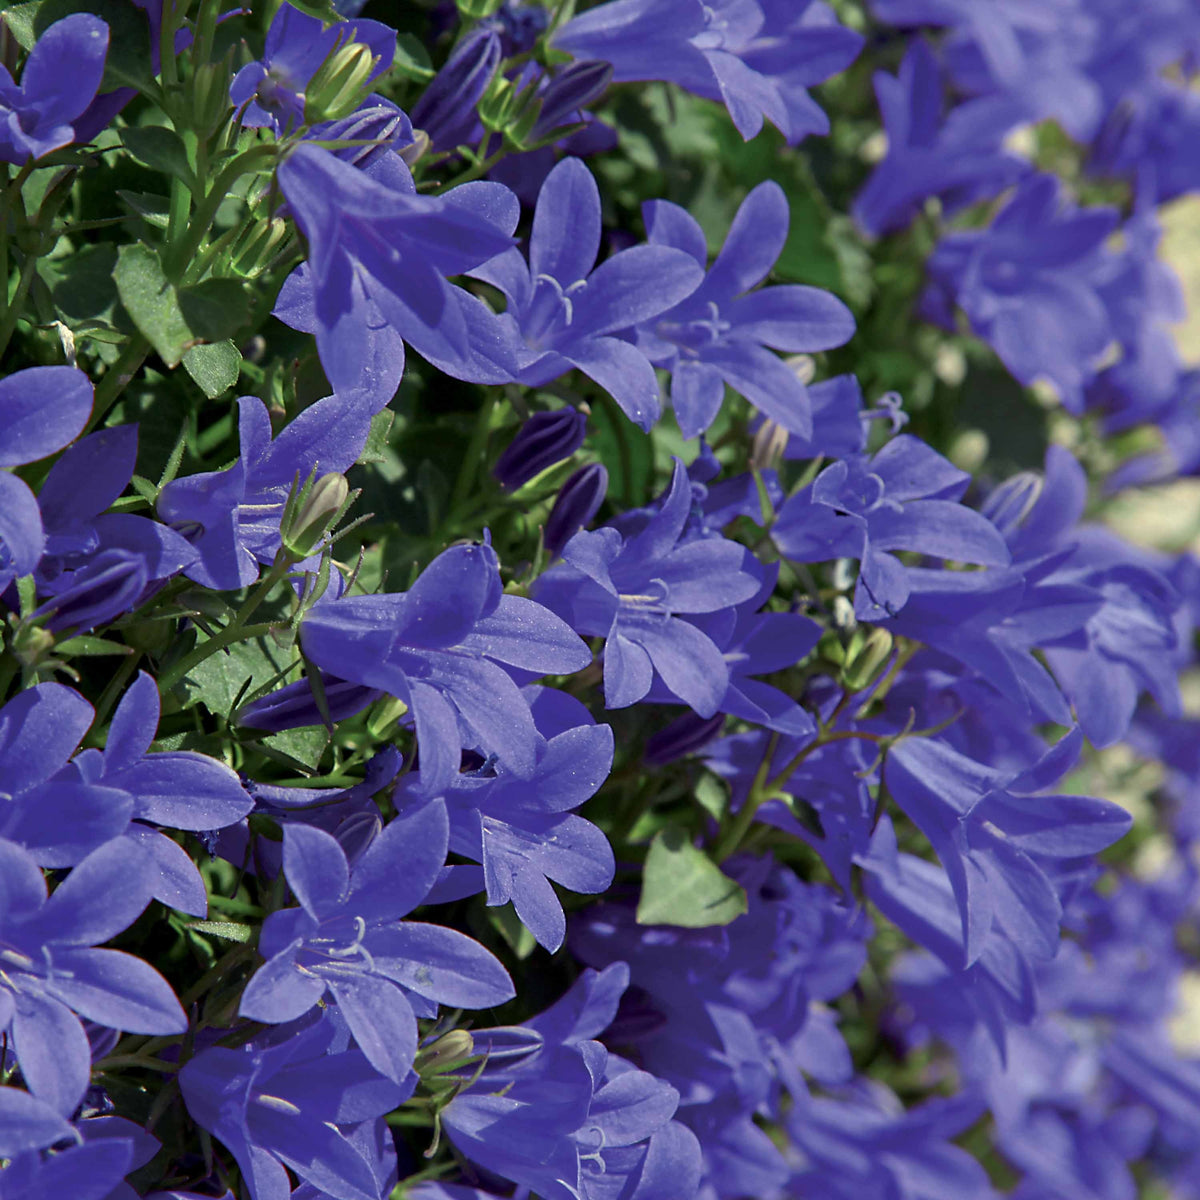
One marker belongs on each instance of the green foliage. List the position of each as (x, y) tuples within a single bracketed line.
[(682, 886)]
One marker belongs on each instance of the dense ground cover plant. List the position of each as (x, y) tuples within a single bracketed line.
[(568, 623)]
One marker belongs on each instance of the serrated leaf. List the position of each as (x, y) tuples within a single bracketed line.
[(151, 302), (214, 309), (682, 886), (214, 367), (158, 147), (305, 745)]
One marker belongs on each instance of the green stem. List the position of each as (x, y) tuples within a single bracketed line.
[(236, 631), (117, 378), (114, 1062), (227, 637), (8, 323), (760, 792), (181, 254), (474, 455)]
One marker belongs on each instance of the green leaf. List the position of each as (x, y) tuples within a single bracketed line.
[(91, 647), (218, 679), (81, 283), (504, 920), (158, 147), (376, 449), (305, 745), (214, 367), (681, 885), (152, 208), (215, 309), (231, 931), (152, 302), (412, 59)]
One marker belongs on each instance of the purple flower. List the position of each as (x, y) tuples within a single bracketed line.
[(232, 516), (562, 313), (42, 409), (903, 498), (52, 812), (759, 58), (521, 830), (446, 109), (62, 76), (994, 830), (633, 592), (98, 565), (959, 159), (297, 44), (178, 789), (1028, 284), (438, 647), (279, 1101), (52, 976), (719, 335), (376, 273), (577, 503), (554, 1111), (347, 938)]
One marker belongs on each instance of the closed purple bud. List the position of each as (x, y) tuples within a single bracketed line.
[(446, 112), (577, 504), (545, 439), (577, 87), (109, 584), (382, 127), (685, 735), (295, 706)]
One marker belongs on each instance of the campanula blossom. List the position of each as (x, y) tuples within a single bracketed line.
[(37, 115), (347, 939), (758, 57), (724, 332), (563, 310), (634, 592), (52, 976), (442, 647)]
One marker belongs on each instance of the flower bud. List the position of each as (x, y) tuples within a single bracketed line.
[(208, 93), (446, 112), (260, 244), (341, 84), (450, 1050), (294, 705), (545, 439), (314, 514), (380, 127), (574, 89), (577, 504), (685, 735), (867, 659)]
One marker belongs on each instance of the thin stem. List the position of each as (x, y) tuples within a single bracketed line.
[(8, 323), (117, 378), (760, 792)]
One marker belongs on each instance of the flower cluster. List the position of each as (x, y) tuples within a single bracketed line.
[(526, 669)]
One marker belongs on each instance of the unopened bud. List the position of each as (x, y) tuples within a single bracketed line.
[(867, 659), (209, 95), (260, 244), (577, 504), (315, 513), (450, 1050), (31, 644), (341, 84), (545, 439)]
